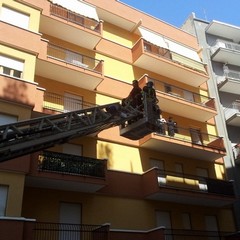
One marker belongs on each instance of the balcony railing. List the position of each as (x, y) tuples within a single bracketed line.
[(74, 58), (75, 18), (181, 234), (174, 57), (183, 181), (193, 136), (71, 164), (183, 94), (60, 103), (54, 231)]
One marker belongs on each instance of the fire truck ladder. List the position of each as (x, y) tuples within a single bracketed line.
[(21, 138)]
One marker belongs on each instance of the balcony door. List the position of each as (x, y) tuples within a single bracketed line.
[(72, 102), (70, 213), (163, 218), (211, 226), (196, 136)]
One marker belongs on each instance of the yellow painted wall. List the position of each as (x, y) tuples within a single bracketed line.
[(33, 13), (117, 69), (29, 61), (15, 182), (120, 157), (61, 88), (118, 35)]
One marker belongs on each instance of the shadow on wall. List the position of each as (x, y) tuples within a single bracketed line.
[(17, 91)]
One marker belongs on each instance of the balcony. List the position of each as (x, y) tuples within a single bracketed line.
[(232, 114), (63, 231), (182, 102), (70, 67), (230, 82), (70, 26), (226, 52), (54, 102), (169, 64), (187, 189), (67, 172), (186, 142), (28, 229)]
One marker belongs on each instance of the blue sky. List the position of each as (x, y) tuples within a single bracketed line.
[(175, 12)]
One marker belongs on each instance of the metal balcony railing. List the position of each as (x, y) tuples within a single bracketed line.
[(181, 234), (62, 231), (73, 58), (71, 164), (193, 136), (195, 183), (182, 93), (75, 18), (60, 103)]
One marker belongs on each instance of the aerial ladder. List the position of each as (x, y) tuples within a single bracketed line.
[(25, 137)]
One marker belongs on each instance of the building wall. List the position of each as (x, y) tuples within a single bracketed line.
[(123, 208)]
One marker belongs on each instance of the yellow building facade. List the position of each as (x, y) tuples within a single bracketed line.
[(61, 56)]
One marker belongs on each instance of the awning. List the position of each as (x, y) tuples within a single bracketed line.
[(182, 50), (79, 7), (153, 37), (161, 41)]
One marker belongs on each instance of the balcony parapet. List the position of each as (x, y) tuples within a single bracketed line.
[(194, 136), (168, 55), (74, 58), (71, 164), (225, 44), (232, 109), (183, 181), (184, 94)]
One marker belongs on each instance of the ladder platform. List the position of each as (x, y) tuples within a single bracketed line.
[(138, 129)]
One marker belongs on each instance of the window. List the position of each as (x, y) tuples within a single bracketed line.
[(178, 168), (14, 17), (6, 118), (3, 199), (10, 66), (70, 213), (203, 174), (73, 149), (163, 218), (196, 136), (72, 102), (161, 175), (186, 221)]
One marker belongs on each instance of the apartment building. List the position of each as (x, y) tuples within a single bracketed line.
[(221, 51), (59, 56)]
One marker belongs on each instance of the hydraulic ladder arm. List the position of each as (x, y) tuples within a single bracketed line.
[(21, 138), (25, 137)]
